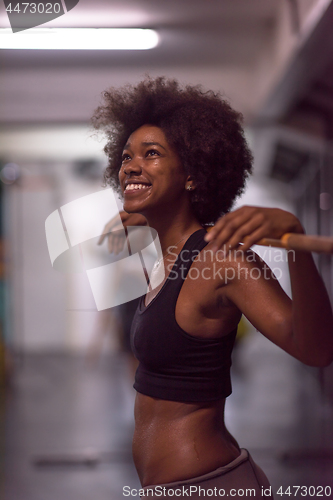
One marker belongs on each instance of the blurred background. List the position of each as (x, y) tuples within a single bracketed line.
[(66, 369)]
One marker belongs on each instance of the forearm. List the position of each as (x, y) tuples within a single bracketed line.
[(312, 320)]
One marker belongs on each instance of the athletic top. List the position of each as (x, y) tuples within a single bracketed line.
[(173, 364)]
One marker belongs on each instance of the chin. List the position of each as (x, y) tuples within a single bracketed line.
[(136, 207), (131, 208)]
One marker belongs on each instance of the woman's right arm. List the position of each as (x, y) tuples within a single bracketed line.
[(113, 230)]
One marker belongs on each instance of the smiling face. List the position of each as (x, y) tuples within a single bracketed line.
[(151, 174)]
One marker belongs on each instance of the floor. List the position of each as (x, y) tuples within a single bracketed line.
[(69, 424)]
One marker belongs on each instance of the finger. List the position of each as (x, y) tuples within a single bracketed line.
[(229, 229), (113, 243), (120, 243), (214, 230), (101, 238), (110, 242), (221, 223), (245, 230), (253, 238), (106, 230), (119, 227), (113, 225)]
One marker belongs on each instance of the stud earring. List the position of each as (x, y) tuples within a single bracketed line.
[(189, 187)]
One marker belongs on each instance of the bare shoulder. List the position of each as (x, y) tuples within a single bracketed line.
[(223, 268)]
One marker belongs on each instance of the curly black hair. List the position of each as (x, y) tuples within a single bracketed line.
[(202, 127)]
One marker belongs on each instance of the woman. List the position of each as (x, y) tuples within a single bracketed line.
[(179, 157)]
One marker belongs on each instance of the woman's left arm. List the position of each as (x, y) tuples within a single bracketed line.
[(311, 320)]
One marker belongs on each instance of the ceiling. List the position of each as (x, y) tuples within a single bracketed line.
[(239, 47), (192, 32), (218, 43), (152, 13)]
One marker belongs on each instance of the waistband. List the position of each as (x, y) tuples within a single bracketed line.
[(243, 457)]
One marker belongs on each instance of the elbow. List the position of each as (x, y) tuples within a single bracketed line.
[(318, 364), (319, 351), (319, 360), (325, 361)]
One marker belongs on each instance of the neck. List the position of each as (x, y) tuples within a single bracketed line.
[(173, 227)]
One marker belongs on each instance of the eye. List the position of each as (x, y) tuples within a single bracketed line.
[(152, 152), (125, 157)]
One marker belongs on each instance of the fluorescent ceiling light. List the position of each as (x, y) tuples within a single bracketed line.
[(79, 39)]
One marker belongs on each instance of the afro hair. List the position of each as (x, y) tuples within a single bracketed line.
[(202, 127)]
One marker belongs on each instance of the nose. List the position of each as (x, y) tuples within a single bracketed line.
[(132, 167)]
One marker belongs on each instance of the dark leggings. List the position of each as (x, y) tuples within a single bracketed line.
[(241, 478)]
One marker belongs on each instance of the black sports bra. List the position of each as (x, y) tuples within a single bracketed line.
[(174, 365)]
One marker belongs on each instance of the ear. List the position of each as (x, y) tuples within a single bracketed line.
[(190, 184)]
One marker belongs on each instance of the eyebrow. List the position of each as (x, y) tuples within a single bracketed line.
[(128, 146)]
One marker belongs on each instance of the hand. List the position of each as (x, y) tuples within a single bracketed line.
[(113, 231), (252, 224)]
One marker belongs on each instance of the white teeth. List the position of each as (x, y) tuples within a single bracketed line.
[(131, 187)]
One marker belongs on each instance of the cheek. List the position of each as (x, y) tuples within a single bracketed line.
[(179, 178), (120, 174)]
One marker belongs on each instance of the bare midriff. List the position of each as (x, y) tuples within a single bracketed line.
[(176, 441)]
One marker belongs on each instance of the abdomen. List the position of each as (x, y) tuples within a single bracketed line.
[(176, 441)]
